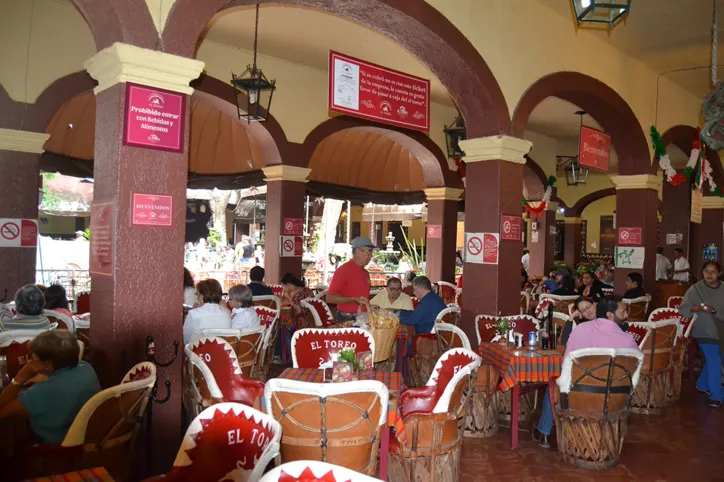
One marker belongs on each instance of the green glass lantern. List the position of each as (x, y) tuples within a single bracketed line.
[(601, 14)]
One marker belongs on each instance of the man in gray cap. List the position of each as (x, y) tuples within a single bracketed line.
[(350, 287)]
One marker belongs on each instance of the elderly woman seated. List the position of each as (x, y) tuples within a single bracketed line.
[(50, 405), (210, 314), (29, 305)]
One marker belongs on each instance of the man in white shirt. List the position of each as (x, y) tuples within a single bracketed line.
[(663, 265), (681, 266), (525, 259), (393, 298)]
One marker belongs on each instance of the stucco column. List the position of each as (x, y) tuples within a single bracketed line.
[(142, 292), (573, 242), (637, 203), (494, 173), (19, 187), (285, 193), (711, 230), (542, 245), (441, 234), (675, 217)]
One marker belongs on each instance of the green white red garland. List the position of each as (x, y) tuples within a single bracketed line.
[(544, 202), (664, 162)]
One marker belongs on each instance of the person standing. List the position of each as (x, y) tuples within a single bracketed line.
[(663, 265), (681, 266), (350, 288), (525, 260), (706, 299)]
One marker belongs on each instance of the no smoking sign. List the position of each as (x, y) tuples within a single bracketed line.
[(18, 233), (290, 246), (482, 248)]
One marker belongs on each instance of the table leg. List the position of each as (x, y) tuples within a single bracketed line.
[(399, 356), (283, 336), (514, 416), (384, 452)]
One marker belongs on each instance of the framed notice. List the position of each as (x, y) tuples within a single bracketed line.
[(293, 226), (482, 248), (630, 236), (594, 149), (152, 210), (103, 226), (630, 257), (290, 246), (370, 91), (154, 118), (18, 233), (434, 231)]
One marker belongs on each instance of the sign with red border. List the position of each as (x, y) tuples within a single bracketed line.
[(630, 236), (510, 228), (103, 227), (152, 210), (294, 226), (291, 246), (594, 149), (18, 233), (482, 248), (370, 91), (434, 231), (154, 118)]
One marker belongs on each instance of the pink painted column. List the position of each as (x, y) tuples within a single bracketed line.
[(441, 237), (542, 242)]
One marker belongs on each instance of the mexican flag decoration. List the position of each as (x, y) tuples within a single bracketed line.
[(664, 162), (544, 202)]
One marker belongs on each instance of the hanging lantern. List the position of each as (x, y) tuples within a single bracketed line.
[(253, 90), (601, 14), (454, 133)]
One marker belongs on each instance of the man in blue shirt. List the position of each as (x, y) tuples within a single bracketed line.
[(423, 317)]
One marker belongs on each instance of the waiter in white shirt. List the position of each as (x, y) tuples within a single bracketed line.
[(525, 260), (663, 265), (681, 266)]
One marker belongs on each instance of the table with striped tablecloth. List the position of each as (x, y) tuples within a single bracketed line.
[(99, 474)]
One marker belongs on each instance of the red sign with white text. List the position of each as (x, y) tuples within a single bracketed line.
[(374, 92), (152, 210), (631, 236), (510, 228), (294, 226), (154, 118), (434, 231), (594, 149), (101, 241), (491, 249)]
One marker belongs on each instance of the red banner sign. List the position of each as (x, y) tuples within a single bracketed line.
[(101, 242), (152, 210), (595, 149), (294, 226), (434, 231), (154, 118), (631, 236), (510, 228), (384, 95)]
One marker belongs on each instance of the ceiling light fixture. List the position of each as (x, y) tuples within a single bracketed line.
[(600, 14), (575, 174)]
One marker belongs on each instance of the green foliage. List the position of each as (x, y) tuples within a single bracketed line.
[(560, 265), (348, 355), (502, 326), (414, 257), (86, 234), (215, 238), (51, 200)]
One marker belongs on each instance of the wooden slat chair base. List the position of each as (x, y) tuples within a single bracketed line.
[(390, 364), (679, 357), (338, 423), (481, 419), (591, 413), (245, 344), (526, 407), (426, 351), (658, 346)]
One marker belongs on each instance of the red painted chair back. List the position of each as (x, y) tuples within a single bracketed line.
[(638, 333), (278, 290), (523, 324), (17, 354), (415, 302), (446, 292), (266, 315), (664, 314), (312, 347), (674, 301), (141, 371), (485, 328), (317, 312), (82, 304)]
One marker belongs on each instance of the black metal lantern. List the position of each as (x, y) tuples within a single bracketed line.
[(454, 133), (602, 14), (253, 90), (575, 174)]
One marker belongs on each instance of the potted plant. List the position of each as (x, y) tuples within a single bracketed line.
[(502, 328)]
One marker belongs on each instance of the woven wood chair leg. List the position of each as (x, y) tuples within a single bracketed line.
[(482, 416), (525, 407)]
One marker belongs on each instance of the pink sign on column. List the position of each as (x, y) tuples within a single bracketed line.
[(154, 118), (434, 231), (152, 210)]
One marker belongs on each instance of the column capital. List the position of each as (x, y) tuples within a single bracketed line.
[(503, 148), (22, 141), (281, 172), (636, 181), (712, 202), (443, 194), (127, 63), (572, 220)]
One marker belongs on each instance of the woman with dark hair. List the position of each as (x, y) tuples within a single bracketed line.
[(706, 299), (210, 314), (56, 300), (567, 287), (590, 287), (295, 292), (189, 289), (581, 311)]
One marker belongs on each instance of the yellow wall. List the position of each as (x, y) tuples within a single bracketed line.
[(592, 214)]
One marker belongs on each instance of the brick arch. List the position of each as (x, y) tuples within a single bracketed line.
[(682, 136), (127, 21), (532, 172), (603, 104), (581, 204), (417, 26)]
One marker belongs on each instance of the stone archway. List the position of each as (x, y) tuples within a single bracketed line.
[(417, 26), (581, 204)]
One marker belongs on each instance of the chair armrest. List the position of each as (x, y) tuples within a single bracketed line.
[(246, 391), (417, 400)]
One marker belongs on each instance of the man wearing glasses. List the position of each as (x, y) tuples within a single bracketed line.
[(350, 287), (393, 298)]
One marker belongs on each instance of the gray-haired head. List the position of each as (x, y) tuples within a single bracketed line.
[(242, 294), (29, 301)]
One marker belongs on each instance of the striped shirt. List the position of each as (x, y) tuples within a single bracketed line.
[(39, 322)]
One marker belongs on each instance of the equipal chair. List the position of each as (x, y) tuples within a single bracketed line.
[(450, 315), (524, 303), (317, 313), (658, 346), (560, 302), (103, 433), (433, 417), (314, 347), (594, 394), (482, 416), (269, 318), (683, 344), (225, 442), (313, 470), (339, 423), (270, 301), (15, 346), (447, 291), (64, 322), (278, 290), (674, 301), (245, 343), (451, 336), (637, 308)]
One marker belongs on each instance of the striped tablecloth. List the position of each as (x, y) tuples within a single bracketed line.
[(393, 381), (522, 365), (99, 474)]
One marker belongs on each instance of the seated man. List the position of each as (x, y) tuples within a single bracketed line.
[(29, 305), (257, 286), (423, 317), (603, 332), (393, 298), (634, 286), (53, 404)]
